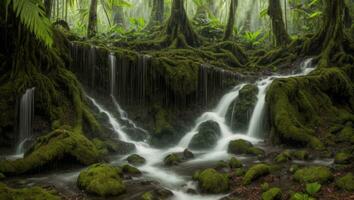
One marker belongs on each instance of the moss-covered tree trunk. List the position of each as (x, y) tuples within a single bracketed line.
[(231, 20), (92, 23), (118, 15), (282, 38), (157, 12), (48, 4), (178, 29)]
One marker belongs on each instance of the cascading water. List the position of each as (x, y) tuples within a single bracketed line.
[(25, 121)]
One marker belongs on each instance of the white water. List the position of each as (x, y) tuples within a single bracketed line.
[(25, 121), (154, 157)]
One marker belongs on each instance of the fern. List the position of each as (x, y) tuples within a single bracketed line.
[(32, 15)]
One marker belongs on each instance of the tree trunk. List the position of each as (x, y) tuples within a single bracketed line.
[(157, 12), (248, 20), (118, 16), (282, 38), (92, 23), (178, 27), (48, 4), (231, 20)]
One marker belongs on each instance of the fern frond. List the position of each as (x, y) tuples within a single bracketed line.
[(32, 15)]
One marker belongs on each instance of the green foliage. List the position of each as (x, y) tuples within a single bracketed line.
[(36, 193), (272, 194), (301, 196), (32, 15), (313, 188), (137, 24), (255, 172)]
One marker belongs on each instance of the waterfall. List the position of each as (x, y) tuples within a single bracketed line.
[(256, 122), (26, 118)]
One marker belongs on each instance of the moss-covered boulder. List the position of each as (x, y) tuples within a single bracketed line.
[(346, 182), (346, 133), (318, 174), (272, 194), (173, 159), (297, 106), (240, 111), (36, 193), (130, 170), (211, 181), (343, 158), (244, 147), (136, 160), (207, 136), (158, 193), (52, 149), (288, 155), (235, 163), (102, 180), (255, 172)]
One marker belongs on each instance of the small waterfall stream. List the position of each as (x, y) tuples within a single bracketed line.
[(25, 119)]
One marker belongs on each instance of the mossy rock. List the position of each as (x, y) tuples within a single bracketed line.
[(272, 194), (211, 181), (244, 147), (318, 174), (300, 155), (101, 146), (208, 134), (255, 172), (101, 179), (346, 133), (235, 163), (346, 182), (36, 193), (284, 156), (157, 194), (288, 155), (222, 165), (239, 172), (172, 159), (240, 111), (343, 158), (113, 146), (136, 160), (130, 170), (54, 148)]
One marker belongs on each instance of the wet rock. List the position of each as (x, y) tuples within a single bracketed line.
[(235, 163), (101, 179), (222, 165), (177, 158), (346, 182), (53, 148), (130, 170), (188, 154), (136, 160), (288, 155), (240, 111), (313, 174), (255, 172), (272, 194), (207, 136), (26, 193), (119, 147), (136, 134), (211, 181), (158, 193), (343, 158), (244, 147)]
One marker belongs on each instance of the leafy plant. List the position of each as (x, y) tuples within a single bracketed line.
[(254, 38), (32, 15), (313, 188), (137, 23), (302, 196)]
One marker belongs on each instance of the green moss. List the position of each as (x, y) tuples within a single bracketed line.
[(244, 147), (235, 163), (211, 181), (255, 172), (207, 136), (343, 158), (101, 146), (346, 182), (147, 196), (272, 194), (222, 165), (288, 155), (239, 172), (265, 186), (52, 148), (313, 174), (300, 154), (127, 169), (136, 160), (36, 193), (283, 157), (2, 176), (346, 133), (172, 159), (101, 179)]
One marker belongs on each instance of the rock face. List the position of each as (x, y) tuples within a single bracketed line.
[(244, 147), (211, 181), (101, 179), (53, 148), (207, 136), (26, 193), (313, 174), (240, 111)]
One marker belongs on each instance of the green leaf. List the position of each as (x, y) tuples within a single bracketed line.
[(315, 15), (313, 188)]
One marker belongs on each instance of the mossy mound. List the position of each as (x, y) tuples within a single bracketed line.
[(101, 179), (55, 147), (207, 136), (211, 181), (130, 170), (157, 194), (313, 174), (235, 163), (177, 158), (36, 193), (255, 172), (343, 158), (346, 182), (272, 194), (136, 160), (288, 155), (240, 111), (301, 106), (244, 147)]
